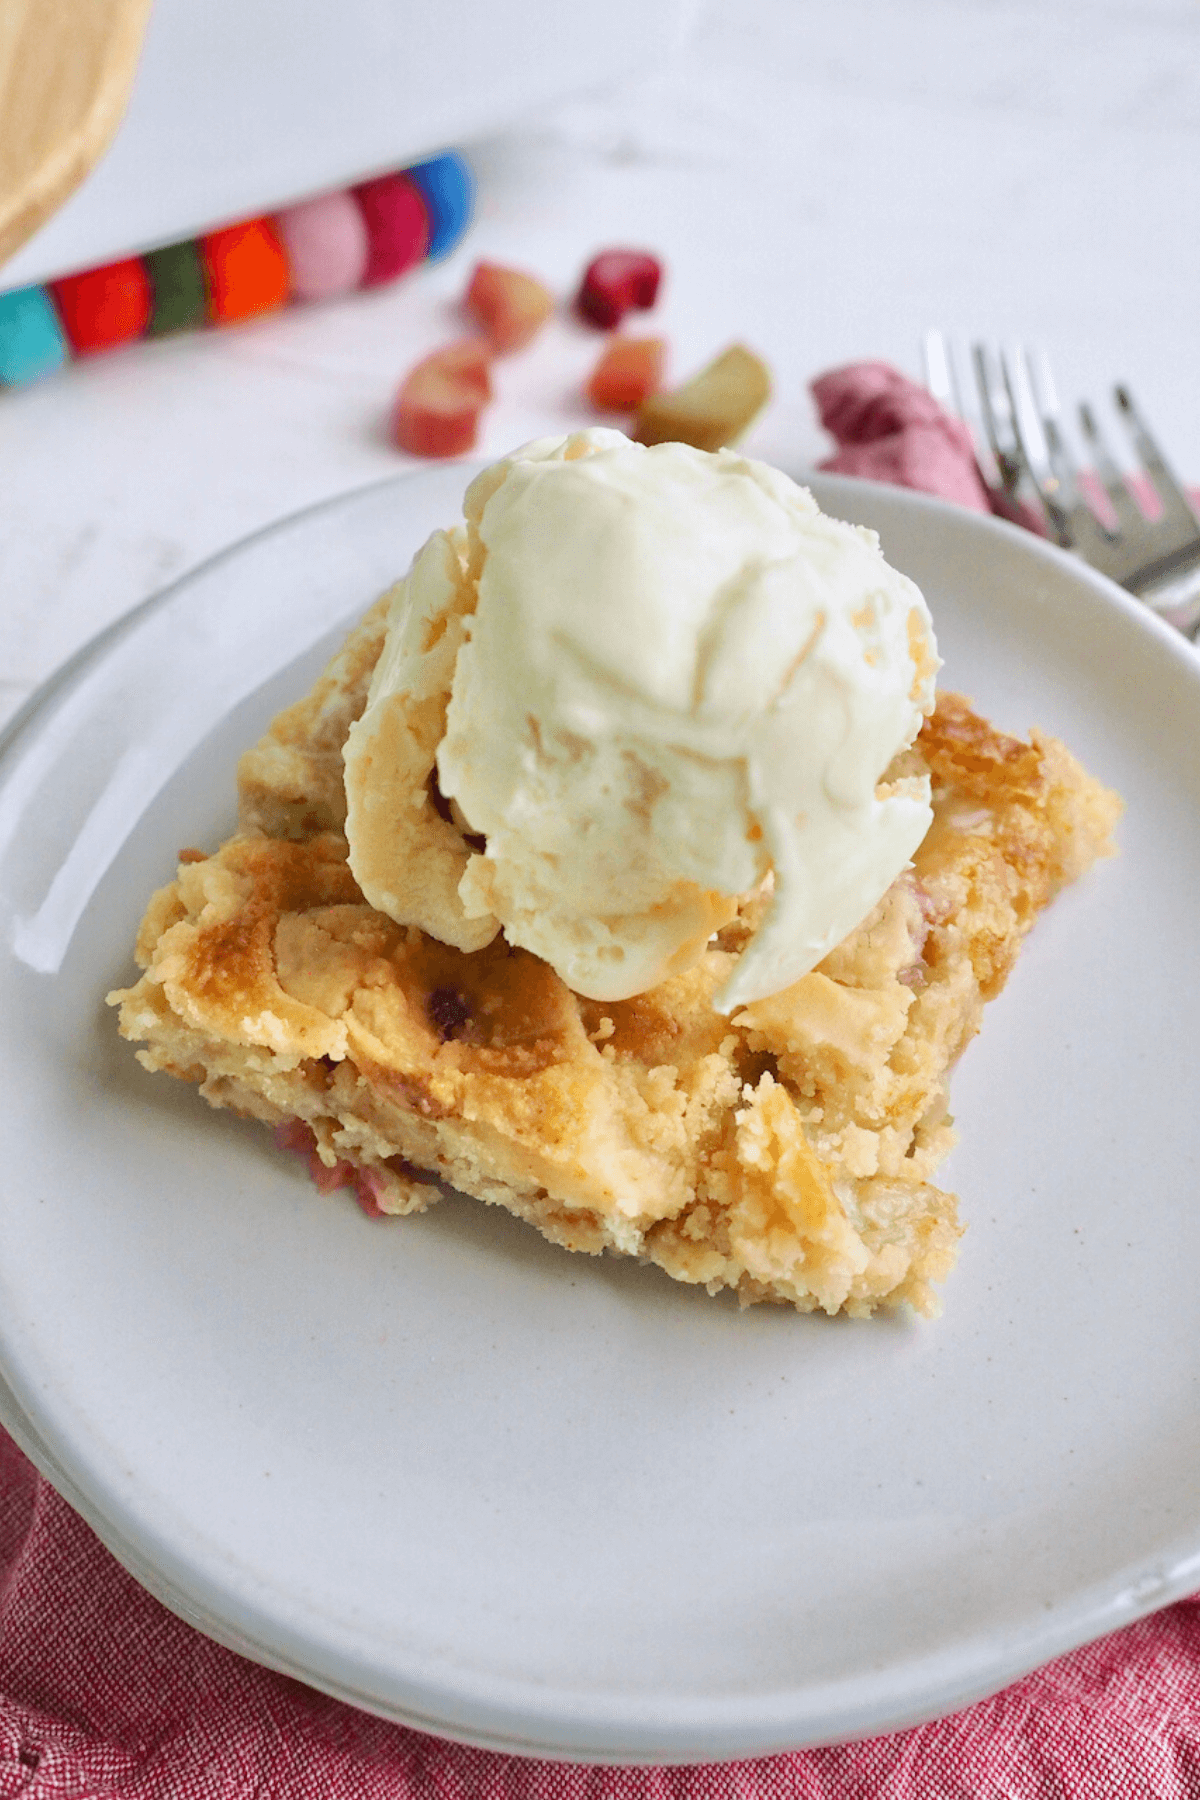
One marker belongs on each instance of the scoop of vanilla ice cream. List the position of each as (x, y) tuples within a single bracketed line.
[(664, 676)]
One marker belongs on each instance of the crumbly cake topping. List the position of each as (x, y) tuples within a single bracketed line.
[(786, 1152)]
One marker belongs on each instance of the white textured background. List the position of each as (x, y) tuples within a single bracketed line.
[(823, 182)]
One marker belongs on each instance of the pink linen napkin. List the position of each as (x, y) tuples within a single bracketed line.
[(104, 1695), (888, 429)]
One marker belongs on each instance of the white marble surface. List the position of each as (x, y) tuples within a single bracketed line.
[(823, 182)]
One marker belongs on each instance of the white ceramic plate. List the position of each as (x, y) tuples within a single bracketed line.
[(560, 1505)]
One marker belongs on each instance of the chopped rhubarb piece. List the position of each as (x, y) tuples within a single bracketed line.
[(616, 281), (437, 410), (511, 306), (295, 1135), (368, 1185), (328, 1179), (300, 1138), (629, 371), (712, 408)]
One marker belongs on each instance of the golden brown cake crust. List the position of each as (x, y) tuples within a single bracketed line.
[(786, 1152)]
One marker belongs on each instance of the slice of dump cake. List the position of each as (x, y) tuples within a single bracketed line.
[(767, 1112), (786, 1151)]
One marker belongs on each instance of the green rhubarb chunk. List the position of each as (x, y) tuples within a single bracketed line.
[(711, 409)]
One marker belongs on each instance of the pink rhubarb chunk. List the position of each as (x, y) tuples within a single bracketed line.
[(437, 410), (629, 371), (510, 306), (615, 282), (296, 1136)]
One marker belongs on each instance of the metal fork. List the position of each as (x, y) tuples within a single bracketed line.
[(1010, 405)]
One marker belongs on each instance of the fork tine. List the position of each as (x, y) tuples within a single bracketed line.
[(997, 418), (1045, 398), (1176, 505), (1033, 439), (968, 409), (944, 379), (1025, 422), (1129, 514)]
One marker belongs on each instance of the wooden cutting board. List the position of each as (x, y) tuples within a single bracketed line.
[(66, 68)]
